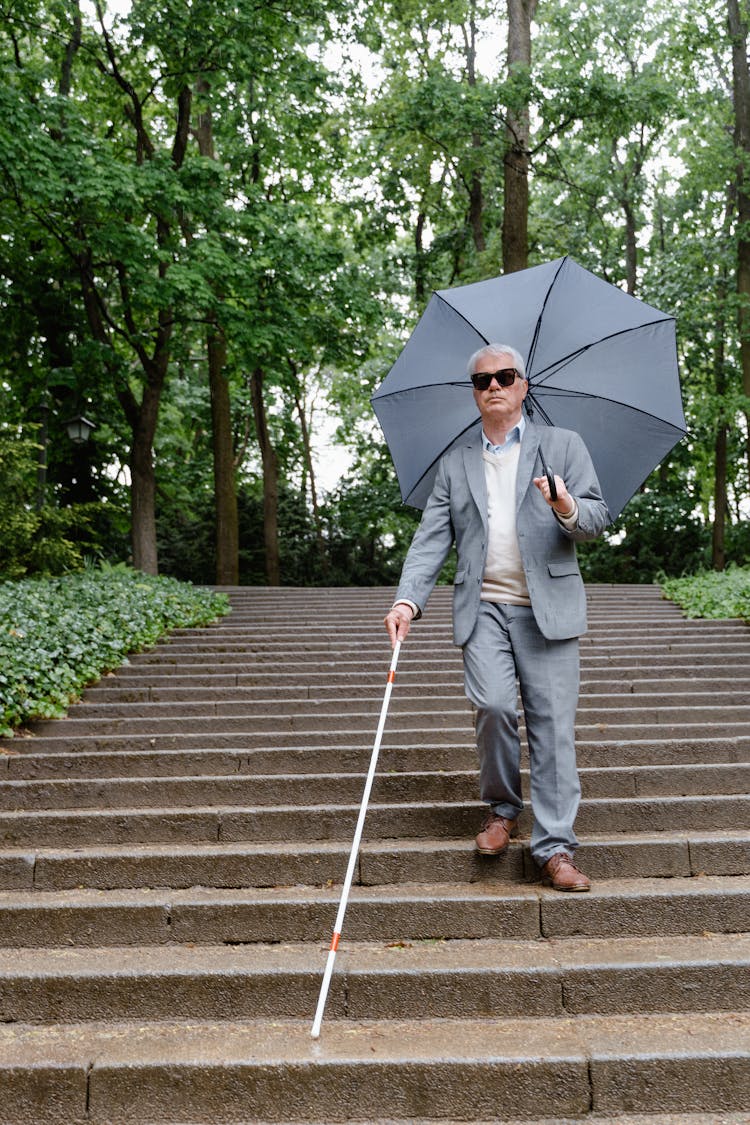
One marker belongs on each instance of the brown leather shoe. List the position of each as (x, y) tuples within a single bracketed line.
[(562, 874), (495, 834)]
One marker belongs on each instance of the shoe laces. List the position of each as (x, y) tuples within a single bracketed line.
[(562, 857)]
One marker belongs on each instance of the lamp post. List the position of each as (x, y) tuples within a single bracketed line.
[(41, 471), (79, 429)]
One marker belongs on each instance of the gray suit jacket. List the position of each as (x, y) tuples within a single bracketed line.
[(457, 510)]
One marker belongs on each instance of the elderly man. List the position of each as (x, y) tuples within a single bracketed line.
[(519, 604)]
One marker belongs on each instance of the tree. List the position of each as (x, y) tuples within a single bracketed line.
[(517, 133), (225, 485), (737, 19), (432, 130)]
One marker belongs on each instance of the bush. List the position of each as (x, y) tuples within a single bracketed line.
[(712, 593), (59, 634), (657, 533), (37, 538)]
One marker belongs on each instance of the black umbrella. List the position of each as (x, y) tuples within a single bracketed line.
[(598, 361)]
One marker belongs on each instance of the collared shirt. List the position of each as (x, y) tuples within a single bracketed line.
[(512, 438)]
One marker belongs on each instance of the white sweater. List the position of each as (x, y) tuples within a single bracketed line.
[(504, 579)]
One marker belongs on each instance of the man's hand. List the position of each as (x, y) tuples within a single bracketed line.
[(565, 505), (397, 622)]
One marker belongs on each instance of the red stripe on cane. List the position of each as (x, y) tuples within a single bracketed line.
[(335, 942), (391, 677)]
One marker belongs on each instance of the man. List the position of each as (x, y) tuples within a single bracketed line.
[(519, 604)]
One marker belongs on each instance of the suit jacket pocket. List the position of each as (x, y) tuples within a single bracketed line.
[(460, 575), (562, 569)]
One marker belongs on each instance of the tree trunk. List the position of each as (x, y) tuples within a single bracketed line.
[(476, 207), (71, 50), (141, 417), (738, 30), (419, 263), (476, 186), (270, 481), (718, 553), (516, 161), (225, 481), (143, 483), (631, 248), (307, 452)]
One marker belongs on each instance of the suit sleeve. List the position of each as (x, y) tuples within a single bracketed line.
[(582, 483), (430, 546)]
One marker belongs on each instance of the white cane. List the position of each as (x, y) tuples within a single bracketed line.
[(355, 849)]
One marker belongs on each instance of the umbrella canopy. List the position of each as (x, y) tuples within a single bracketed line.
[(598, 361)]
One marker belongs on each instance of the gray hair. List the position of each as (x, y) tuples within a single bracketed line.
[(497, 349)]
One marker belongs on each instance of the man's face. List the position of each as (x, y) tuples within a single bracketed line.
[(501, 405)]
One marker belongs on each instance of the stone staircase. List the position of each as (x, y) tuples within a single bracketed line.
[(171, 857)]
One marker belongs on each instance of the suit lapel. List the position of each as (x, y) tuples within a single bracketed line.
[(475, 476), (526, 460)]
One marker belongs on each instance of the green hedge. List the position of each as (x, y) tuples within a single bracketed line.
[(59, 634), (712, 593)]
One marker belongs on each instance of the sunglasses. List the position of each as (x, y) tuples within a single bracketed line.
[(505, 378)]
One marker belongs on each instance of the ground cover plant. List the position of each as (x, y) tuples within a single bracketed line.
[(712, 593), (59, 634)]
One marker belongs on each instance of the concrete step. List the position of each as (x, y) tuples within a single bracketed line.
[(374, 645), (647, 708), (397, 912), (329, 822), (318, 619), (674, 692), (712, 1117), (673, 722), (241, 864), (164, 757), (446, 665), (361, 1070), (398, 980), (310, 651), (305, 789), (435, 642)]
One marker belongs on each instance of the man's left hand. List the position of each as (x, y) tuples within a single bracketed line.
[(565, 505)]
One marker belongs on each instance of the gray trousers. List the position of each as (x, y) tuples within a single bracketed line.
[(507, 646)]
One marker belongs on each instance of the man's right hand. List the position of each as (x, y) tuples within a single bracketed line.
[(397, 622)]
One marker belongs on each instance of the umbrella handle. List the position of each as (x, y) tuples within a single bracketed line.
[(549, 475)]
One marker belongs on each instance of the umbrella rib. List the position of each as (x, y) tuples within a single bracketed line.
[(465, 319), (559, 364), (421, 387), (538, 325), (561, 392), (435, 460), (534, 406)]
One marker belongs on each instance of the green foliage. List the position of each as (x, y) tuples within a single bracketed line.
[(657, 533), (59, 634), (712, 593), (370, 527), (35, 536), (358, 156)]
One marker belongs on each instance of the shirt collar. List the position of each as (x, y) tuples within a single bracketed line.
[(512, 438)]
